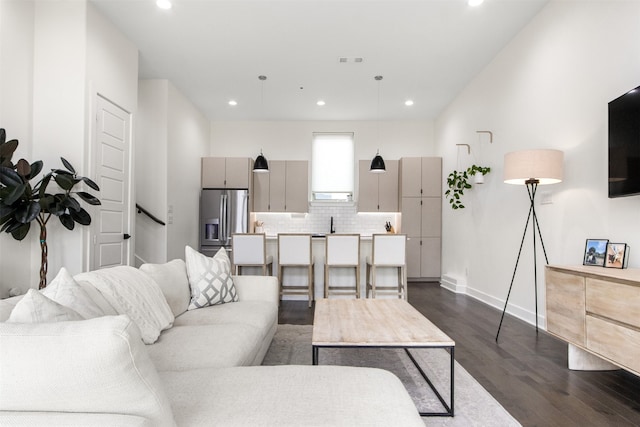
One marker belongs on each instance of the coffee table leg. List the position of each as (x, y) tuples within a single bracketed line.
[(314, 355)]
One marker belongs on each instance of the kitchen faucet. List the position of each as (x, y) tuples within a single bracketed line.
[(332, 230)]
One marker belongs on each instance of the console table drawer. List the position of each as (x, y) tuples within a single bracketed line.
[(614, 301), (615, 342), (566, 306)]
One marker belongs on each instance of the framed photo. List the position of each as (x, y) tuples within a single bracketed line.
[(594, 252), (617, 255)]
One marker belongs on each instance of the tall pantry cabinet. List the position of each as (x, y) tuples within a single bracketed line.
[(421, 207)]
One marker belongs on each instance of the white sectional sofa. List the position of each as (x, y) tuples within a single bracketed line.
[(201, 371)]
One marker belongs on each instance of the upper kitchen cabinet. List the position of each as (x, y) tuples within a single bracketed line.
[(378, 192), (421, 177), (283, 189), (226, 172)]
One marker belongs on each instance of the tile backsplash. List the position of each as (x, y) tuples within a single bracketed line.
[(346, 219)]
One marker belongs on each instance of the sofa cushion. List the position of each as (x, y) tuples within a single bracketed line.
[(63, 419), (209, 278), (66, 291), (173, 281), (205, 346), (95, 366), (258, 314), (130, 291), (37, 308), (290, 396)]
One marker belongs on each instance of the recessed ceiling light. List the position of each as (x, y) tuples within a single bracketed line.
[(163, 4), (320, 103), (408, 102), (475, 2), (233, 103)]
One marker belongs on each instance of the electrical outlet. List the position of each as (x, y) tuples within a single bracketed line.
[(546, 198)]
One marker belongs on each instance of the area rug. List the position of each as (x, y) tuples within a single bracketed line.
[(473, 405)]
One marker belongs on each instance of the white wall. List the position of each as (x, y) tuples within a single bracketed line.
[(16, 110), (291, 140), (172, 136), (549, 88), (64, 52), (151, 170), (188, 135)]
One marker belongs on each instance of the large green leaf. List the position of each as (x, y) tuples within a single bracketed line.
[(21, 232), (5, 212), (67, 221), (15, 194), (81, 217), (36, 168), (91, 184), (28, 212), (66, 182), (88, 198), (43, 185), (71, 203), (9, 177), (3, 135), (68, 165), (23, 168)]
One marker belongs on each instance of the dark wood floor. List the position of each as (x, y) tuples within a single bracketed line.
[(525, 372)]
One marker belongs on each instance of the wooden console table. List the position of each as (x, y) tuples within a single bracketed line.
[(596, 310)]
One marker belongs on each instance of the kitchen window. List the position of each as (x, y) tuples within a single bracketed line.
[(332, 166)]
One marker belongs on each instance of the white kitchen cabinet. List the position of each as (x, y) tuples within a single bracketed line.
[(283, 189), (421, 208), (378, 192), (226, 172)]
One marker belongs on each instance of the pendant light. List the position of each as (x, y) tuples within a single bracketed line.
[(261, 165), (377, 164)]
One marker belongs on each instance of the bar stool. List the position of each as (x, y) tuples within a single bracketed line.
[(342, 251), (387, 251), (250, 250), (294, 250)]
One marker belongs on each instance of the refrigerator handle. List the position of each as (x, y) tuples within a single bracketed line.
[(225, 217), (222, 224)]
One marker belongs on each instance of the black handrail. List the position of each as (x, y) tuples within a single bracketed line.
[(146, 212)]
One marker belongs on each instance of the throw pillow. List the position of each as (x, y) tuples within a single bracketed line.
[(37, 308), (66, 291), (209, 278), (172, 279)]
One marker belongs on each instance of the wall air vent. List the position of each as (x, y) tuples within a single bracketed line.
[(352, 60)]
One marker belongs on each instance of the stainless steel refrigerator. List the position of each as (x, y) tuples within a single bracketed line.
[(222, 213)]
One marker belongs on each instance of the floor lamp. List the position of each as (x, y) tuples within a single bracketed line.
[(531, 168)]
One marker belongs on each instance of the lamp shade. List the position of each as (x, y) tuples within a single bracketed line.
[(260, 165), (377, 164), (545, 166)]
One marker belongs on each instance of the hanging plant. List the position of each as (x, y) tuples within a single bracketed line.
[(458, 181), (21, 202)]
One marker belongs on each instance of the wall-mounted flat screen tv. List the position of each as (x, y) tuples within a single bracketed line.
[(624, 144)]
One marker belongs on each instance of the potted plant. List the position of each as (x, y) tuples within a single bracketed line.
[(458, 181), (22, 202)]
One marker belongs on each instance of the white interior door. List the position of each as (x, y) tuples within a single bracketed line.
[(111, 244)]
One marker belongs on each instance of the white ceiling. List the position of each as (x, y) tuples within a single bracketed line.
[(214, 50)]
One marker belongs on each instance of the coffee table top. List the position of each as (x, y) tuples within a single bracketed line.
[(374, 322)]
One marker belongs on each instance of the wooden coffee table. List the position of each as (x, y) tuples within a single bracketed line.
[(380, 323)]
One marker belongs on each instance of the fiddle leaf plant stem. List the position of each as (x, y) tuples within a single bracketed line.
[(458, 182)]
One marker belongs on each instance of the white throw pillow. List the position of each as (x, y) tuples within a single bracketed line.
[(209, 278), (37, 308), (66, 291), (172, 279)]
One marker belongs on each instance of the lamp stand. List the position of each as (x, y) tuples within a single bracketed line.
[(532, 186)]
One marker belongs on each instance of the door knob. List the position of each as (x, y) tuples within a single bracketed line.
[(127, 236)]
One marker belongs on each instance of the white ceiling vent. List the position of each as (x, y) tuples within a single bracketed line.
[(352, 60)]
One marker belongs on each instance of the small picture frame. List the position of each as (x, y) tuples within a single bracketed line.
[(594, 252), (616, 255)]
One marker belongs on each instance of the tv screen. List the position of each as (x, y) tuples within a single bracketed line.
[(624, 144)]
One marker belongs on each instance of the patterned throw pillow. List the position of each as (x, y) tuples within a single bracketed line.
[(34, 307), (209, 278)]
